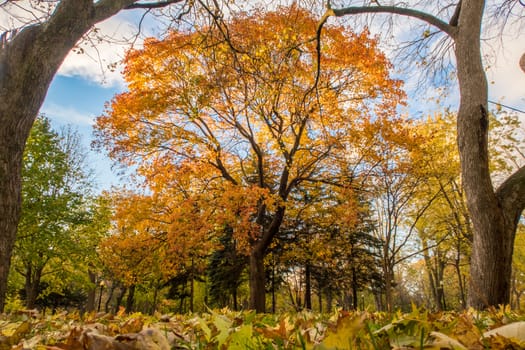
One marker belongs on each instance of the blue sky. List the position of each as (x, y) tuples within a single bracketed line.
[(77, 101)]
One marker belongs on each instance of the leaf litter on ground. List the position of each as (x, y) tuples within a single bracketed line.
[(226, 329)]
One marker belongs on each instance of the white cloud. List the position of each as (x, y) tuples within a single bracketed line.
[(506, 79), (101, 49)]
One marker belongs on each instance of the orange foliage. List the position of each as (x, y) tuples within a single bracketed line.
[(223, 129)]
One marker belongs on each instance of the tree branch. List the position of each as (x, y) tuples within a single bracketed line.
[(107, 8), (151, 5), (454, 20), (511, 194), (426, 17)]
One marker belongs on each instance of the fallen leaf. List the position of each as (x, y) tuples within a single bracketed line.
[(514, 330), (442, 342)]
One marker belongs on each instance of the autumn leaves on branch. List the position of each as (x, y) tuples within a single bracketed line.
[(224, 130)]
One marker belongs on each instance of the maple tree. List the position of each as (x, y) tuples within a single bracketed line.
[(249, 109), (131, 255), (161, 236)]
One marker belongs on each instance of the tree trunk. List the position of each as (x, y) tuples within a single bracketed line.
[(257, 282), (234, 297), (155, 297), (378, 297), (389, 278), (120, 295), (308, 287), (355, 286), (91, 294), (329, 300), (28, 63), (109, 297), (320, 299), (274, 297), (461, 285), (11, 149), (31, 286), (192, 285), (494, 215), (258, 252), (130, 299)]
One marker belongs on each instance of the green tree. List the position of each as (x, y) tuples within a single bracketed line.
[(55, 187), (225, 271)]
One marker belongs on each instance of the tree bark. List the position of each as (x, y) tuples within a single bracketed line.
[(28, 63), (355, 286), (257, 255), (257, 281), (130, 300), (32, 285), (494, 217), (91, 293), (389, 278)]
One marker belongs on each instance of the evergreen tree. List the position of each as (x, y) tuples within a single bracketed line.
[(225, 272)]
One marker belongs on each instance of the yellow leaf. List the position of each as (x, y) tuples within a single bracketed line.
[(343, 336)]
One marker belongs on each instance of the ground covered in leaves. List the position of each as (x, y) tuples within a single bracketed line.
[(225, 329)]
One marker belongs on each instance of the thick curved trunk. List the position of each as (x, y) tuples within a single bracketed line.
[(494, 217), (28, 64), (487, 280)]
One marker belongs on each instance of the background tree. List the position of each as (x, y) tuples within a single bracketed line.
[(252, 109), (55, 193), (89, 238), (444, 230), (225, 271), (494, 212), (392, 153), (329, 233)]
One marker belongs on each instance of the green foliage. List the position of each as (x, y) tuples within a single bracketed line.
[(13, 304), (54, 234), (225, 270)]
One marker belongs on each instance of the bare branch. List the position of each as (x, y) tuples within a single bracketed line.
[(455, 17), (151, 5), (426, 17), (511, 194)]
